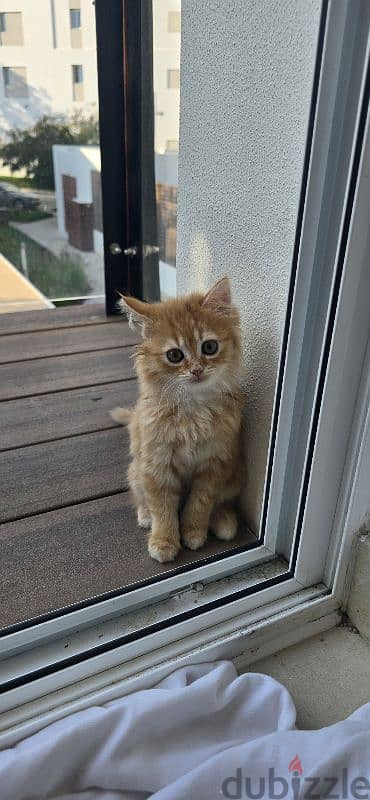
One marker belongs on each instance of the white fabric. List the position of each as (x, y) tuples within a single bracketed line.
[(183, 739)]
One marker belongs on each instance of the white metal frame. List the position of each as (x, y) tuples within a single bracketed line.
[(314, 289), (244, 630), (140, 597), (343, 388), (177, 608), (318, 169), (203, 618), (353, 510)]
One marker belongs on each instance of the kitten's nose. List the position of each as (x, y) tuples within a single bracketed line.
[(197, 372)]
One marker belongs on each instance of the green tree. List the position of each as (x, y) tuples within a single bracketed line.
[(31, 149), (84, 128)]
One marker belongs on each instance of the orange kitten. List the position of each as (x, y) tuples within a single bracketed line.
[(185, 428)]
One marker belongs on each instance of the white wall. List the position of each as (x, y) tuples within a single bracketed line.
[(78, 162), (246, 80)]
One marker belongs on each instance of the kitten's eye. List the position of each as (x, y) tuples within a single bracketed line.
[(175, 355), (210, 347)]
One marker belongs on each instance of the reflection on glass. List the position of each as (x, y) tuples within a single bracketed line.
[(51, 239), (166, 75)]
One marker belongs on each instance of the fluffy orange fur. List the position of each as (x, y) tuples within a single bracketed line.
[(185, 435)]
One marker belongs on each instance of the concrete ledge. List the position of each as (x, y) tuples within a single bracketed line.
[(328, 675), (359, 599)]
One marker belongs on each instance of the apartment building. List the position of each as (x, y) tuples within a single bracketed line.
[(166, 47), (48, 63), (48, 59)]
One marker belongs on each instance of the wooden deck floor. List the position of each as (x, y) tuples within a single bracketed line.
[(68, 532)]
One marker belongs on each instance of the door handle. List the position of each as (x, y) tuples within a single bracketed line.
[(149, 250)]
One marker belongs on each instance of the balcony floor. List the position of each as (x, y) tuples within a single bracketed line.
[(67, 529)]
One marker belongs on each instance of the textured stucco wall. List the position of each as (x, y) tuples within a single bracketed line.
[(246, 81)]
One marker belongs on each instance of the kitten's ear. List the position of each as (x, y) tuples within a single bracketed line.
[(219, 297), (140, 315)]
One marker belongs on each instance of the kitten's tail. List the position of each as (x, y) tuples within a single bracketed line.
[(121, 415)]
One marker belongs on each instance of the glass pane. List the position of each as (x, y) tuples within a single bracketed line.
[(239, 213), (166, 79), (51, 236)]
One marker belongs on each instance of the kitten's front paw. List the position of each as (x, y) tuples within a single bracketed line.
[(163, 549), (224, 524), (194, 539), (144, 519)]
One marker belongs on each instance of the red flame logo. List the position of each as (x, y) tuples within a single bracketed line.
[(296, 766)]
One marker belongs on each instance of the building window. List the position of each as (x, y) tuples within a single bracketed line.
[(77, 82), (75, 25), (77, 73), (11, 29), (174, 22), (173, 78), (75, 17), (15, 81)]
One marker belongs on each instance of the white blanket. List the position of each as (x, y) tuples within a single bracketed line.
[(203, 732)]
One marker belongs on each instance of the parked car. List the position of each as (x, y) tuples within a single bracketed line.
[(19, 200)]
